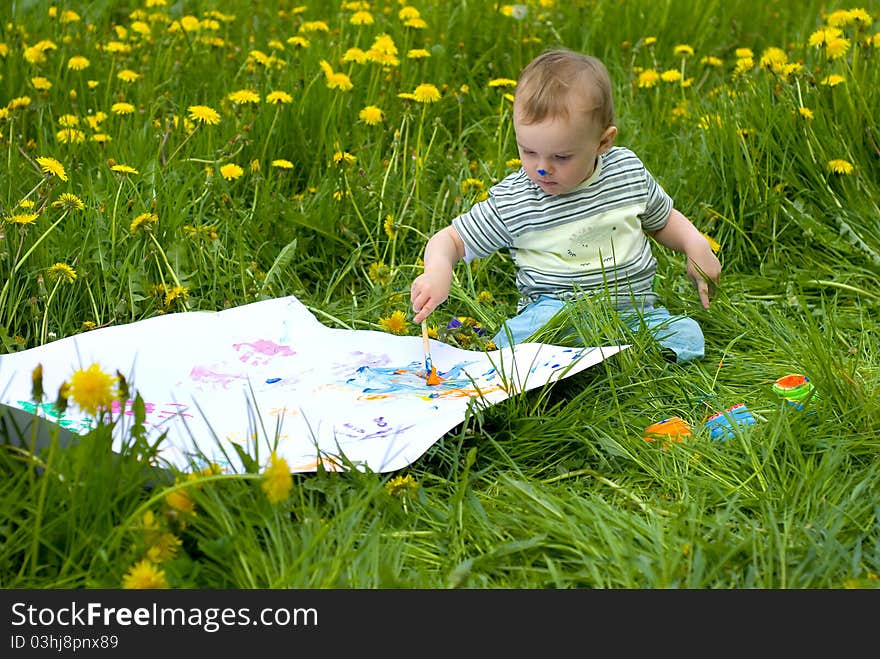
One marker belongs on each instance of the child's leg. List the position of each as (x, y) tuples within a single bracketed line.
[(680, 334), (528, 321)]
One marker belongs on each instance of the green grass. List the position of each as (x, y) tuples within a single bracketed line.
[(554, 488)]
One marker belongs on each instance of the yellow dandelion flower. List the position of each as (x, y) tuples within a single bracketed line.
[(743, 66), (502, 82), (127, 75), (144, 575), (22, 218), (41, 84), (68, 120), (395, 323), (485, 297), (379, 273), (203, 114), (838, 166), (69, 201), (26, 203), (176, 293), (140, 27), (92, 389), (822, 36), (19, 102), (313, 26), (426, 93), (277, 480), (513, 163), (837, 48), (517, 12), (671, 75), (418, 53), (122, 108), (744, 53), (299, 42), (280, 163), (356, 55), (858, 16), (61, 272), (832, 80), (70, 136), (371, 115), (100, 138), (339, 81), (407, 13), (95, 120), (180, 502), (231, 171), (277, 97), (773, 58), (255, 166), (388, 226), (649, 41), (361, 18), (683, 50), (472, 185), (401, 486), (124, 169), (243, 96), (648, 79), (711, 60), (713, 244), (78, 63), (163, 547), (806, 113), (50, 166), (344, 158), (144, 221)]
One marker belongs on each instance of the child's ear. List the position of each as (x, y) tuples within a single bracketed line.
[(607, 139)]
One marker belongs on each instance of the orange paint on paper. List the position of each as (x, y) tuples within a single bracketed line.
[(433, 378)]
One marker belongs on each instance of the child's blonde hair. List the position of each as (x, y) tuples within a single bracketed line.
[(547, 84)]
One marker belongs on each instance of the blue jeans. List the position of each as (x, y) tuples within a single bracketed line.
[(680, 334)]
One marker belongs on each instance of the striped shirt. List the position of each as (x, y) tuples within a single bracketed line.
[(586, 241)]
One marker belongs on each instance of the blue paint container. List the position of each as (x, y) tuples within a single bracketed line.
[(721, 425)]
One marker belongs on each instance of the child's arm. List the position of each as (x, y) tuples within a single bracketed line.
[(703, 266), (431, 288)]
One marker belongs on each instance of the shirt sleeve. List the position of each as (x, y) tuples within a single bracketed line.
[(482, 230), (658, 205)]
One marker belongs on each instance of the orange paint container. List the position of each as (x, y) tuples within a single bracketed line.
[(674, 428)]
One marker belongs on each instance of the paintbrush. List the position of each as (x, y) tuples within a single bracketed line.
[(430, 371)]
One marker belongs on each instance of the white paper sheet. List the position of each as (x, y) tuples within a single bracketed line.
[(269, 375)]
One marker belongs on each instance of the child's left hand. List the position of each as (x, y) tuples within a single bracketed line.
[(704, 270)]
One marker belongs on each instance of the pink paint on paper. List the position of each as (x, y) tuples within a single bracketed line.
[(207, 376), (261, 351)]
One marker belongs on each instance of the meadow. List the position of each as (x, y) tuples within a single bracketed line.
[(167, 157)]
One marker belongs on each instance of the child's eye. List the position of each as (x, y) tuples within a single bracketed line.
[(563, 157)]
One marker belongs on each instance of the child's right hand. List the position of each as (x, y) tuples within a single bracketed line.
[(431, 288), (428, 291)]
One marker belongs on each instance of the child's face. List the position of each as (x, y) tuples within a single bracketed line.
[(559, 154)]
